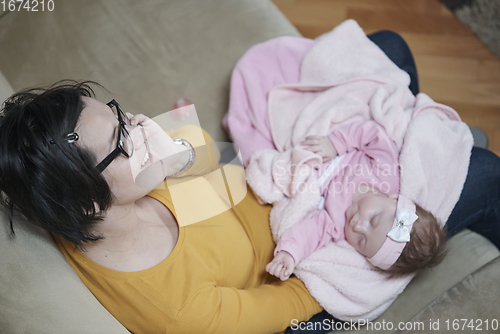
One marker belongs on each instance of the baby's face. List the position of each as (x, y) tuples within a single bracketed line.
[(368, 220)]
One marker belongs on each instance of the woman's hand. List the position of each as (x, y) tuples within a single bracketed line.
[(281, 266), (137, 119), (321, 145)]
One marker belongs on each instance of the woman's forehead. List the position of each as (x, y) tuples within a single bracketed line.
[(96, 123), (93, 104), (95, 110)]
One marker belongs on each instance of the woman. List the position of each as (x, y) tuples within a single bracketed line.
[(67, 164)]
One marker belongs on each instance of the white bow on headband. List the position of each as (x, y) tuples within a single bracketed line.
[(401, 233)]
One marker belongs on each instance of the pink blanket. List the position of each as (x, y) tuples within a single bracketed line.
[(288, 88)]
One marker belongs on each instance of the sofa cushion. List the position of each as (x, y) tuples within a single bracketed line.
[(475, 298), (5, 88), (146, 53)]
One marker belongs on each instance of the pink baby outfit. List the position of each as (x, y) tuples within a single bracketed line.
[(369, 157)]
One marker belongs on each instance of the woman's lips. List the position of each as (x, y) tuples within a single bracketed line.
[(147, 160)]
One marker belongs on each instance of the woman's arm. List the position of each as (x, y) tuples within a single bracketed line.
[(206, 151), (269, 308)]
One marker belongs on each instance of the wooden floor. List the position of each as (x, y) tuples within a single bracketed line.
[(454, 67)]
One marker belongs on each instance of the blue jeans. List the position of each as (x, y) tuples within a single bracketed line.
[(479, 205)]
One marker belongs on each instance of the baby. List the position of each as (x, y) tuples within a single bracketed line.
[(362, 206)]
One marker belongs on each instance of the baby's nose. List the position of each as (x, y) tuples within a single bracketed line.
[(359, 226)]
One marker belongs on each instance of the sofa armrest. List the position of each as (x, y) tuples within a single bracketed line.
[(40, 292), (475, 298), (5, 88)]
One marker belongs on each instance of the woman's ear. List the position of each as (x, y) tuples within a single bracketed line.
[(394, 196), (96, 207)]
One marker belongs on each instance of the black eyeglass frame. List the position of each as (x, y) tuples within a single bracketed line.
[(119, 144)]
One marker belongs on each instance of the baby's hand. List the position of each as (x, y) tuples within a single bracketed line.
[(321, 145), (281, 266)]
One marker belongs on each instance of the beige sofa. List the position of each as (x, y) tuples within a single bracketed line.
[(147, 54)]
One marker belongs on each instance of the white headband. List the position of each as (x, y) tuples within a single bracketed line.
[(398, 236)]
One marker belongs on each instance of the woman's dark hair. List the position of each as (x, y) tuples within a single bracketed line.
[(49, 181)]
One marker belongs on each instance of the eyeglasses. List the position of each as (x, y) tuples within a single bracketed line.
[(124, 144)]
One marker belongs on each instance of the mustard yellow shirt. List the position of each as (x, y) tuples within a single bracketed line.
[(214, 281)]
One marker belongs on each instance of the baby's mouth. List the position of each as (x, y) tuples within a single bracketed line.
[(347, 218), (351, 221)]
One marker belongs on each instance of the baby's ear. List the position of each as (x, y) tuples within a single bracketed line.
[(394, 196)]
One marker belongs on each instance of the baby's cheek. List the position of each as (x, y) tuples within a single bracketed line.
[(348, 236), (352, 238)]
